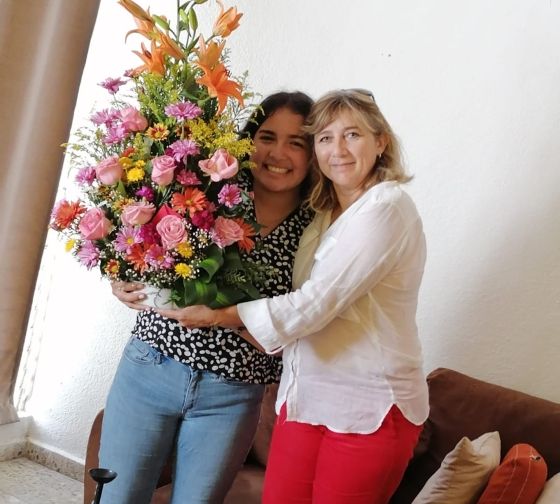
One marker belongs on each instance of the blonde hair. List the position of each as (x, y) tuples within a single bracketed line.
[(362, 106)]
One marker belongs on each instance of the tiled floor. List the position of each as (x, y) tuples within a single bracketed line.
[(25, 482)]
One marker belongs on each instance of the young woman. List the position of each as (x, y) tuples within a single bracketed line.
[(198, 391), (353, 395)]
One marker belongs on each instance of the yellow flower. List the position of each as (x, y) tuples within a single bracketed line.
[(135, 174), (185, 250), (125, 162), (183, 270), (140, 163), (69, 244), (158, 131)]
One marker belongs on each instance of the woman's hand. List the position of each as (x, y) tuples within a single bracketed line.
[(192, 316), (126, 293)]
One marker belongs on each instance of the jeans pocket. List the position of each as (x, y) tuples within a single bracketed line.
[(139, 352)]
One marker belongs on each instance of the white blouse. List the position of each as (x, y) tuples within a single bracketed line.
[(348, 332)]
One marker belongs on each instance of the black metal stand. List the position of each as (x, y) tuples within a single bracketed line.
[(101, 476)]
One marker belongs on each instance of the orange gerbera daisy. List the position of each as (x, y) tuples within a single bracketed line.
[(219, 86), (192, 200), (64, 213), (137, 257), (246, 243)]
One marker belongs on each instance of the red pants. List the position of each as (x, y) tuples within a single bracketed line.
[(311, 464)]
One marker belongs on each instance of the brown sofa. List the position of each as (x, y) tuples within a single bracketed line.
[(459, 406)]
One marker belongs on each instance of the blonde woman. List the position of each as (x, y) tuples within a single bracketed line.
[(352, 395)]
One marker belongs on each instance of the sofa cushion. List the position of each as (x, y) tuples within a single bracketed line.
[(519, 478), (464, 472), (551, 491)]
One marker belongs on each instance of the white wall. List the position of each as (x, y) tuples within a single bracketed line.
[(472, 89)]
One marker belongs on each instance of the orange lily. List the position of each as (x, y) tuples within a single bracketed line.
[(153, 60), (170, 47), (219, 86), (227, 21), (146, 28), (208, 55), (136, 10)]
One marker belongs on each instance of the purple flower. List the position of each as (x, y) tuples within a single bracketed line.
[(157, 258), (115, 134), (230, 195), (188, 178), (86, 175), (145, 192), (126, 238), (183, 148), (88, 254), (112, 85), (183, 110), (105, 116)]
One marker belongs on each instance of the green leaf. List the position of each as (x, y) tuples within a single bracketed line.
[(197, 292), (120, 188), (212, 263), (227, 296), (161, 22)]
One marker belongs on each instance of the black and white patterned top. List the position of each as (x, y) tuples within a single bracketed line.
[(223, 351)]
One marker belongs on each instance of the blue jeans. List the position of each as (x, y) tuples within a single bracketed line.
[(157, 405)]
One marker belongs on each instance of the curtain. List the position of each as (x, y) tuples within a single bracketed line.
[(43, 47)]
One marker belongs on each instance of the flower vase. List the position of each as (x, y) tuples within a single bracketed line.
[(157, 297)]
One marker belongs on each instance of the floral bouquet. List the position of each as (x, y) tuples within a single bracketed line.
[(162, 200)]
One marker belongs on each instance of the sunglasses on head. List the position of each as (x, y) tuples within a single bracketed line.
[(365, 92)]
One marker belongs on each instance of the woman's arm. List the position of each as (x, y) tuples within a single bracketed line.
[(202, 316)]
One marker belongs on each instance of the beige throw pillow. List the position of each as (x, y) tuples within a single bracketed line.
[(551, 491), (464, 472)]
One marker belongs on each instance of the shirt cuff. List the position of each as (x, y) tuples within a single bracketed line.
[(255, 317)]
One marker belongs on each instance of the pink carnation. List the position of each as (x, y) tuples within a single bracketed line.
[(183, 148), (115, 133), (86, 175), (229, 195), (94, 225), (112, 85), (221, 165), (226, 232), (188, 178)]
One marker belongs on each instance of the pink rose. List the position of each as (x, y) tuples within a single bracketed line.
[(172, 231), (109, 171), (94, 225), (226, 232), (133, 120), (163, 168), (162, 212), (137, 213), (221, 165)]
